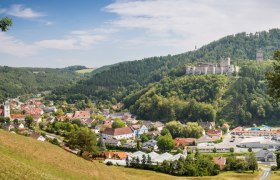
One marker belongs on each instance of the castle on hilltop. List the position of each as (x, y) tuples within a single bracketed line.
[(224, 67)]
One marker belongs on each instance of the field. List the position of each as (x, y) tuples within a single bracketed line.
[(83, 71), (274, 175), (26, 158)]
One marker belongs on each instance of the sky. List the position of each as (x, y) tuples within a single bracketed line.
[(60, 33)]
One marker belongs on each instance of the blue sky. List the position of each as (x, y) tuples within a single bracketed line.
[(60, 33)]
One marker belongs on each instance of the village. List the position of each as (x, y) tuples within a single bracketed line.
[(123, 138)]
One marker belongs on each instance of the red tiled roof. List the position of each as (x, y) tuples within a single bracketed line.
[(184, 141), (213, 131), (226, 125), (17, 116), (82, 114), (115, 155), (117, 131)]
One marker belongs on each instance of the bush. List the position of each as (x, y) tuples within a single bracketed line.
[(109, 163), (274, 168)]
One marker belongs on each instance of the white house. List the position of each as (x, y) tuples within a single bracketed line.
[(118, 133)]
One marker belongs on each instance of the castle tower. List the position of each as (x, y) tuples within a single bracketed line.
[(7, 109), (259, 55)]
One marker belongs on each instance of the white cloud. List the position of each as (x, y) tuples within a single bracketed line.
[(79, 40), (20, 11), (186, 23), (76, 40), (12, 46)]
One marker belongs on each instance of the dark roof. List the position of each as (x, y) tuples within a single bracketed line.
[(264, 153)]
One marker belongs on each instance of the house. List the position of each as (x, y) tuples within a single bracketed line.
[(87, 122), (114, 155), (20, 126), (139, 129), (220, 161), (118, 133), (226, 126), (215, 133), (96, 129), (151, 145), (206, 138), (154, 133), (108, 123), (37, 136), (81, 115), (51, 109), (106, 112), (130, 145), (265, 156), (112, 142), (183, 142), (50, 120), (19, 117), (207, 125), (158, 125)]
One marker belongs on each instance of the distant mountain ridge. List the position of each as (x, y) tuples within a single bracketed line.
[(119, 80)]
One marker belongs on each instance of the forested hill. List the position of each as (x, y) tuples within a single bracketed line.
[(117, 81), (20, 81)]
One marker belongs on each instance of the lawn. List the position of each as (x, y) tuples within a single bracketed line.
[(25, 158), (275, 175), (83, 71)]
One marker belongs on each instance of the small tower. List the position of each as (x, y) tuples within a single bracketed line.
[(7, 109), (259, 55)]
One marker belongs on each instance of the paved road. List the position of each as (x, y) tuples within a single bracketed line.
[(265, 174)]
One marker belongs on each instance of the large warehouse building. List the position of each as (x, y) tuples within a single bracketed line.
[(258, 142)]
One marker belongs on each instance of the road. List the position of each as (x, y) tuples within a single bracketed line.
[(265, 174)]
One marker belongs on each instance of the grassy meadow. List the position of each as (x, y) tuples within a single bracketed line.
[(83, 71), (25, 158)]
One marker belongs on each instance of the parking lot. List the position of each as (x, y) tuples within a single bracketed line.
[(227, 144)]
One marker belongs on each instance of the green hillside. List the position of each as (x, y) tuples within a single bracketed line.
[(120, 80), (20, 81), (242, 100), (26, 158)]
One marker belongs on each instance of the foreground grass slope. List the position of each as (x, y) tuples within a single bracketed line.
[(25, 158)]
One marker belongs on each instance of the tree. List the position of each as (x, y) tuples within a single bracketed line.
[(5, 23), (149, 160), (273, 78), (165, 143), (101, 144), (83, 139), (118, 123), (99, 117), (29, 121), (252, 162), (249, 149), (15, 121), (278, 159), (127, 161), (144, 159), (231, 149)]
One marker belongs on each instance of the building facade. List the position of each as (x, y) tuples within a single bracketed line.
[(224, 67)]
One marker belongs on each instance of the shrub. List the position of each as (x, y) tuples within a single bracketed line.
[(109, 163), (274, 168)]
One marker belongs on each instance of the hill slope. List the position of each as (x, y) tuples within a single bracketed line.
[(19, 81), (119, 80), (26, 158)]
